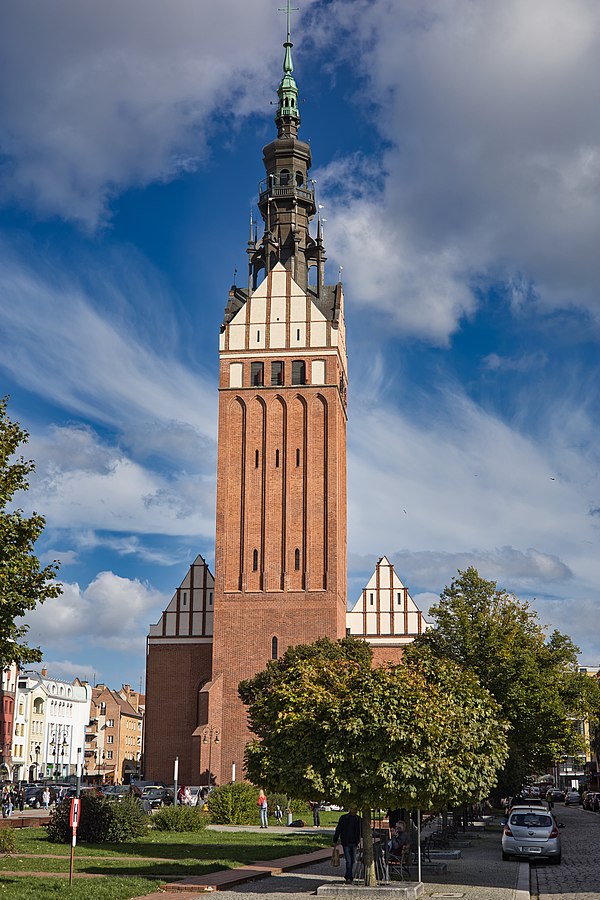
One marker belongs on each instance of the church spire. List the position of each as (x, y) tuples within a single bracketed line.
[(288, 116)]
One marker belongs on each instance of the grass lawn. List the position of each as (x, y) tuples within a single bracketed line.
[(191, 853)]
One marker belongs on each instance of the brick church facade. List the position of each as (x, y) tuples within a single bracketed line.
[(280, 552)]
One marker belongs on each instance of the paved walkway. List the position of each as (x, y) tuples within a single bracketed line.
[(480, 874)]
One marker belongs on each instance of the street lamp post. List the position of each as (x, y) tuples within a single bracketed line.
[(37, 750), (210, 736)]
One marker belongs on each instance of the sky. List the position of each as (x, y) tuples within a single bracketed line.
[(456, 150)]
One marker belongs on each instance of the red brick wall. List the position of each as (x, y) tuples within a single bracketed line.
[(174, 676)]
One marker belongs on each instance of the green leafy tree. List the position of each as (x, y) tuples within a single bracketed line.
[(23, 583), (330, 726), (534, 678)]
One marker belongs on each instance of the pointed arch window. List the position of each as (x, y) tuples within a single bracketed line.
[(297, 559), (255, 560), (274, 648)]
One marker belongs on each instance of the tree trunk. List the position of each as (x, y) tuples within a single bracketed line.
[(367, 842)]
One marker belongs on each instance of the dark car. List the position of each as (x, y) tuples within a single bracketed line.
[(116, 792), (555, 795), (157, 796), (33, 795)]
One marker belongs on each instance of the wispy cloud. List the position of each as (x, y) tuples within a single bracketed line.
[(122, 95)]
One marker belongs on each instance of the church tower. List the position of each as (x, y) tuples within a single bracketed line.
[(280, 558)]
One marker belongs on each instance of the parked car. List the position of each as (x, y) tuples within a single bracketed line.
[(531, 832), (33, 795), (555, 795), (529, 802), (591, 801), (572, 798), (157, 796), (196, 795), (116, 792)]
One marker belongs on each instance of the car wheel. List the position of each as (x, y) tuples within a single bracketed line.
[(505, 856)]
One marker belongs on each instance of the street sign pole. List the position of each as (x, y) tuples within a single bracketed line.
[(74, 820)]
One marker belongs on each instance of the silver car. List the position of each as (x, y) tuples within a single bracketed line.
[(531, 833)]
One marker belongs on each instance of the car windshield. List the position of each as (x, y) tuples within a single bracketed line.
[(531, 820)]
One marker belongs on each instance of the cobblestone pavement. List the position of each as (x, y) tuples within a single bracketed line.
[(479, 875), (578, 876)]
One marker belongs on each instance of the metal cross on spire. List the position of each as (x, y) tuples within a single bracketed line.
[(287, 61), (289, 9)]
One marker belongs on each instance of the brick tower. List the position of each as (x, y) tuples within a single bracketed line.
[(280, 560)]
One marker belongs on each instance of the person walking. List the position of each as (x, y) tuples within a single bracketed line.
[(46, 797), (278, 814), (348, 833), (316, 813), (263, 805)]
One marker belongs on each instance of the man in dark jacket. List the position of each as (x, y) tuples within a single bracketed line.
[(348, 833)]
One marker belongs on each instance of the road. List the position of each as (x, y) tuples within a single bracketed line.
[(578, 876)]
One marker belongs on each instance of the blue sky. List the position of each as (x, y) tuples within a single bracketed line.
[(456, 148)]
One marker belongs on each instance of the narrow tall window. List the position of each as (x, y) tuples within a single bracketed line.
[(276, 373), (257, 376), (284, 178), (399, 599), (256, 458), (277, 459), (297, 559), (371, 601), (298, 371), (297, 456), (184, 598), (274, 648), (255, 561)]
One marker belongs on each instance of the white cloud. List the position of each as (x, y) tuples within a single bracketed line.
[(492, 159), (67, 670), (82, 482), (96, 98), (111, 613), (97, 364)]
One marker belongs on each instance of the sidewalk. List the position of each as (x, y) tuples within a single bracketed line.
[(479, 874)]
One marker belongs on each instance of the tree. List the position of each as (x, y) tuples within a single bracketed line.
[(23, 583), (329, 726), (533, 678)]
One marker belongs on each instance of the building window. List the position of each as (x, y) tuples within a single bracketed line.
[(257, 374), (371, 601), (255, 561), (210, 598), (110, 723), (297, 456), (298, 371), (184, 598), (299, 179), (284, 178), (274, 648), (276, 373), (277, 459), (256, 458), (297, 334), (399, 599), (297, 559), (110, 739), (109, 754)]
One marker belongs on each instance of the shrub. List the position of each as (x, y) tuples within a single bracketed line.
[(180, 818), (126, 820), (234, 804), (99, 820), (93, 814), (8, 843)]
